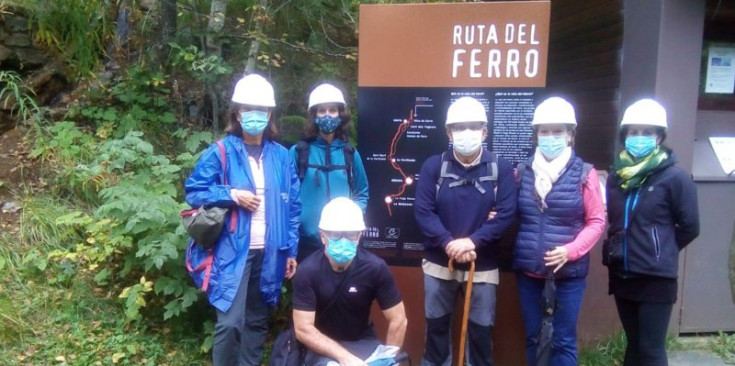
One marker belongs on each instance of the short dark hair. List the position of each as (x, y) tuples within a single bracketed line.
[(234, 127), (311, 131), (660, 131), (572, 129)]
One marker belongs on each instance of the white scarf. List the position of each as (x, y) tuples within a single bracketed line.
[(548, 172)]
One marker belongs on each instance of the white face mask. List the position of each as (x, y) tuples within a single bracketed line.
[(467, 142)]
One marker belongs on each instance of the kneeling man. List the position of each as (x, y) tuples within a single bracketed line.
[(334, 289)]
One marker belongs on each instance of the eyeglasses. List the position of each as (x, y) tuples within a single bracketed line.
[(474, 126), (349, 235)]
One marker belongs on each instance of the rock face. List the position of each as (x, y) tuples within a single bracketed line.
[(16, 45), (18, 53)]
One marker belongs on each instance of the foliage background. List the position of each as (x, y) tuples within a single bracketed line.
[(95, 263)]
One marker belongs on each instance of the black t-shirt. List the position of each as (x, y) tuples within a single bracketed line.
[(315, 285)]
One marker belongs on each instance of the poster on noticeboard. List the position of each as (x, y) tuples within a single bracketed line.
[(414, 60)]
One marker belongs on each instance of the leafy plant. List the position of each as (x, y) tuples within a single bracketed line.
[(723, 345), (16, 96), (76, 29)]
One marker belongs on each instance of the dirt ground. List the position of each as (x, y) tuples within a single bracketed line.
[(18, 176)]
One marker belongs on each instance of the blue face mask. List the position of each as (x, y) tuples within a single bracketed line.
[(640, 146), (341, 250), (552, 146), (327, 124), (254, 122)]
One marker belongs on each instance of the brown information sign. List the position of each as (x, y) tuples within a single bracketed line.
[(503, 44)]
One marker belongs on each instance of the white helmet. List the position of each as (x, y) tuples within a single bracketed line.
[(254, 90), (645, 112), (466, 109), (326, 93), (554, 110), (341, 214)]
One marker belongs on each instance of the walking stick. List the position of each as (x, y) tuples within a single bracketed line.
[(466, 312)]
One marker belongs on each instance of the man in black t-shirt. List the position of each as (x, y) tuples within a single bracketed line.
[(334, 290)]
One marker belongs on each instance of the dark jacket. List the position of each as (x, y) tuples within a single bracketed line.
[(557, 225), (461, 212), (664, 220)]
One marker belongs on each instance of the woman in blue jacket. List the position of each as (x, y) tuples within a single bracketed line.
[(328, 165), (653, 214), (257, 248)]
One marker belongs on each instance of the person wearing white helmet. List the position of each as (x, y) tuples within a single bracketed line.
[(242, 274), (327, 164), (653, 214), (334, 291), (455, 193), (561, 218)]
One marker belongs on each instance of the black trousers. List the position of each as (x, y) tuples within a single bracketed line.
[(645, 326)]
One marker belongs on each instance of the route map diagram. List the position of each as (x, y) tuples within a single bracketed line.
[(407, 180)]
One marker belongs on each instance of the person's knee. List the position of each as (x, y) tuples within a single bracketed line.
[(566, 344), (229, 324)]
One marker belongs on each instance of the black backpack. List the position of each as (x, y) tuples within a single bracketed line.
[(287, 350), (302, 151)]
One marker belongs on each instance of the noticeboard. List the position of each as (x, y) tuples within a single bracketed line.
[(414, 60)]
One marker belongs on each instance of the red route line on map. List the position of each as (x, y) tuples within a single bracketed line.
[(402, 128)]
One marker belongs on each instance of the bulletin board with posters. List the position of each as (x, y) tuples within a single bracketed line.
[(414, 60)]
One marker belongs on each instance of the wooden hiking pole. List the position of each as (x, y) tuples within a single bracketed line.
[(466, 311)]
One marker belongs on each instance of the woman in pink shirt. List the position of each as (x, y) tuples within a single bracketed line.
[(561, 218)]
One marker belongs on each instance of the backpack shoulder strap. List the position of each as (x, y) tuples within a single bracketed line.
[(302, 152), (492, 169), (223, 159), (444, 173), (349, 153)]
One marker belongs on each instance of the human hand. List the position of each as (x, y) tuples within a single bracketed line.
[(457, 247), (351, 360), (492, 214), (557, 257), (245, 199), (290, 267), (467, 257)]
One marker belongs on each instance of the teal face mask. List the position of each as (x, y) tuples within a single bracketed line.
[(640, 146), (552, 146), (341, 250), (254, 122)]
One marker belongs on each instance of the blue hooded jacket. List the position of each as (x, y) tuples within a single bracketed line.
[(205, 187), (317, 191)]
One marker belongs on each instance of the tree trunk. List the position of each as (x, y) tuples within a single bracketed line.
[(168, 22), (255, 44), (217, 13)]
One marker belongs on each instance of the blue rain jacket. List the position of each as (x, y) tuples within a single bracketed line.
[(205, 187), (316, 192)]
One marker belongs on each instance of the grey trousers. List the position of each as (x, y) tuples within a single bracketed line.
[(240, 333), (441, 296)]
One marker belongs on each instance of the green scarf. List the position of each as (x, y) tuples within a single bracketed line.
[(633, 172)]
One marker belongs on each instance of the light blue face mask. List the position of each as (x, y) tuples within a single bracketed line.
[(327, 124), (341, 250), (552, 146), (640, 146), (254, 122)]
